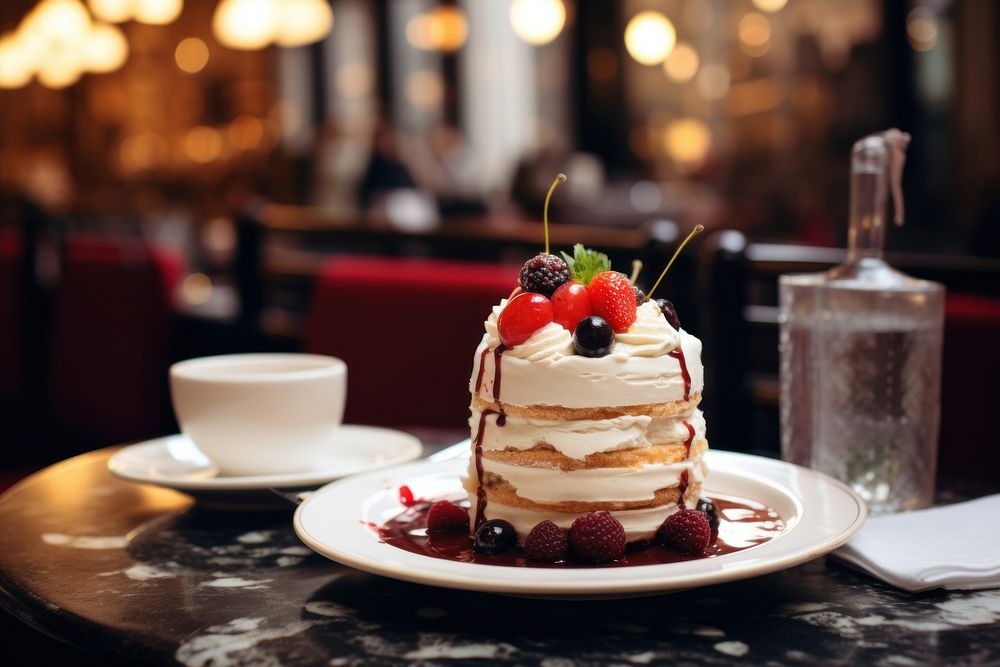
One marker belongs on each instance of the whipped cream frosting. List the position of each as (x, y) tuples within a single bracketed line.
[(579, 438), (574, 381), (552, 485), (649, 336)]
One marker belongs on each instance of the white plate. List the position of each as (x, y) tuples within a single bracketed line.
[(820, 515), (174, 462)]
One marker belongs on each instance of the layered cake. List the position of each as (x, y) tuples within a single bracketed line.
[(585, 398)]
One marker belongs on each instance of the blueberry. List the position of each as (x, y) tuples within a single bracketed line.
[(593, 337), (495, 536), (708, 507), (669, 312), (640, 296)]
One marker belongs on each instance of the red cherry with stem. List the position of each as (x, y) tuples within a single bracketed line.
[(570, 304), (522, 316)]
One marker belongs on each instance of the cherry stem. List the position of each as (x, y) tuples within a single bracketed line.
[(561, 178), (694, 232), (636, 268)]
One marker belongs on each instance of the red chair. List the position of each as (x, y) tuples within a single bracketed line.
[(970, 367), (110, 340), (408, 330), (11, 320)]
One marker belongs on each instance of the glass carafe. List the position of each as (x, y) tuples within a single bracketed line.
[(861, 353)]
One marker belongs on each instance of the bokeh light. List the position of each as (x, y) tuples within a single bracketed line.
[(202, 144), (191, 55), (62, 21), (441, 29), (245, 24), (112, 11), (157, 12), (246, 132), (687, 141), (682, 63), (425, 90), (770, 6), (354, 80), (15, 63), (196, 289), (537, 22), (303, 22), (922, 29), (713, 82), (105, 49), (650, 37), (754, 31)]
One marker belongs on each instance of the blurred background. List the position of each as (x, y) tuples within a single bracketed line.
[(183, 178)]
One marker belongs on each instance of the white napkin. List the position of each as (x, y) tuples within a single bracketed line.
[(955, 547)]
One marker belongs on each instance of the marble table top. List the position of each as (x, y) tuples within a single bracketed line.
[(138, 571)]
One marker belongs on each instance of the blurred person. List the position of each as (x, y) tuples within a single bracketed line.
[(386, 169)]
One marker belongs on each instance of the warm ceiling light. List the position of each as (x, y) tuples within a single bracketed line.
[(441, 29), (303, 22), (112, 11), (682, 63), (770, 5), (650, 37), (245, 24), (61, 21), (59, 68), (687, 140), (537, 21), (191, 55), (106, 49), (157, 12), (15, 63)]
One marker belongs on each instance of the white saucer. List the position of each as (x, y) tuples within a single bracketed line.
[(175, 463), (820, 515)]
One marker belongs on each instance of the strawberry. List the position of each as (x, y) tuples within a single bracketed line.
[(613, 298), (570, 304), (523, 315)]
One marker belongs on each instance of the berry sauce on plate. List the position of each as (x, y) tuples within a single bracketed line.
[(742, 524)]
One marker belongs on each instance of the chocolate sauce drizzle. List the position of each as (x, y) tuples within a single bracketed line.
[(690, 440), (500, 421), (678, 354), (745, 523)]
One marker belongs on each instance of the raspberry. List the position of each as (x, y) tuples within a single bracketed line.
[(612, 297), (598, 537), (546, 542), (543, 274), (445, 516), (686, 531)]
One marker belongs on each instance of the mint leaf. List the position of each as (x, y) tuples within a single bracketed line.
[(585, 264)]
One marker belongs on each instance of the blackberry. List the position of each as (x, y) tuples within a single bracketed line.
[(495, 536), (593, 337), (669, 312), (543, 274), (708, 507)]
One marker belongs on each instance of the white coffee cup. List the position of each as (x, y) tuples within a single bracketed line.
[(260, 414)]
